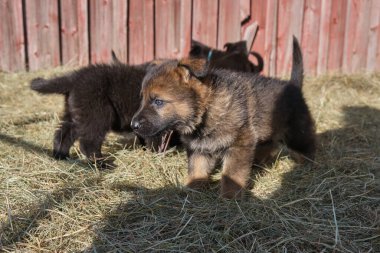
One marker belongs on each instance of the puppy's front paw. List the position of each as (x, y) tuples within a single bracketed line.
[(197, 183), (59, 155), (104, 163)]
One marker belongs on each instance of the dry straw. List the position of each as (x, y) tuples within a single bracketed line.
[(330, 205)]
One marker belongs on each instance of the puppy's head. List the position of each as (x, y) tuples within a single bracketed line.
[(173, 97), (236, 47), (199, 50)]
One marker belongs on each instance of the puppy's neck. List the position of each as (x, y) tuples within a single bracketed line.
[(203, 91)]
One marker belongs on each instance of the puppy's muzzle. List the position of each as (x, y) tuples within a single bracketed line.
[(137, 123)]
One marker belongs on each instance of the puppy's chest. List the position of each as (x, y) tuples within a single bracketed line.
[(220, 129), (214, 141)]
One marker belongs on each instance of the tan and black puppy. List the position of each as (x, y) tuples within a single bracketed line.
[(227, 116), (234, 58)]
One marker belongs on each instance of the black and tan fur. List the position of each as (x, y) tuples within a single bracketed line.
[(98, 99), (234, 58), (232, 117)]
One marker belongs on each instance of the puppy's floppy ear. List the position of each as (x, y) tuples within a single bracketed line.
[(192, 68), (197, 48), (195, 43), (227, 46), (239, 47)]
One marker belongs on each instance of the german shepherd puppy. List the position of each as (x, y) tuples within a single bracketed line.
[(98, 99), (232, 117), (234, 58)]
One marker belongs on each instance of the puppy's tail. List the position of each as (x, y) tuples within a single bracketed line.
[(297, 68), (60, 85), (260, 61)]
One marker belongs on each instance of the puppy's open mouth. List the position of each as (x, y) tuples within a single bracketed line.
[(165, 135), (147, 132), (165, 140)]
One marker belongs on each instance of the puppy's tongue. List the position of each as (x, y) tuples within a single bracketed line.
[(165, 139)]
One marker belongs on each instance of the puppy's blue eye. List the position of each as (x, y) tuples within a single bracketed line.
[(158, 102)]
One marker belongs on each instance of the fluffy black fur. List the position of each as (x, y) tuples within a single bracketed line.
[(234, 58), (98, 99)]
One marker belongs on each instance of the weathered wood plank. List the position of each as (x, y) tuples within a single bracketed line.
[(374, 36), (108, 30), (377, 68), (100, 31), (310, 35), (74, 32), (270, 45), (229, 22), (335, 35), (120, 29), (362, 30), (337, 25), (324, 31), (258, 13), (245, 9), (172, 28), (12, 41), (42, 33), (249, 31), (141, 31), (357, 25), (290, 16), (205, 26)]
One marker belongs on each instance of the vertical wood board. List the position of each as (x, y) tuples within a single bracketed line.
[(228, 22), (373, 36), (12, 41), (205, 21), (310, 35), (287, 27), (43, 34), (108, 30), (74, 32), (141, 31), (337, 25), (172, 28)]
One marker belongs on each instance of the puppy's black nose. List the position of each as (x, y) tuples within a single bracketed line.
[(135, 124)]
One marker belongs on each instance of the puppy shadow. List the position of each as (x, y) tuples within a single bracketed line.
[(340, 151), (168, 218), (163, 220), (37, 149)]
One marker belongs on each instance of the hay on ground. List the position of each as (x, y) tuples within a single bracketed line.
[(330, 205)]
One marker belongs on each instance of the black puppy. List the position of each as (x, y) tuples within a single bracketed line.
[(234, 58), (98, 99)]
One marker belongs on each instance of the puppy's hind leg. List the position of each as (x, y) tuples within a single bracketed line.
[(237, 165), (91, 137), (64, 137), (91, 148), (301, 137), (264, 151)]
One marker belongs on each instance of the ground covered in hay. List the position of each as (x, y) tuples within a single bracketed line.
[(332, 204)]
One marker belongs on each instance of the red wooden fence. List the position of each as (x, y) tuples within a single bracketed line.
[(336, 35)]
